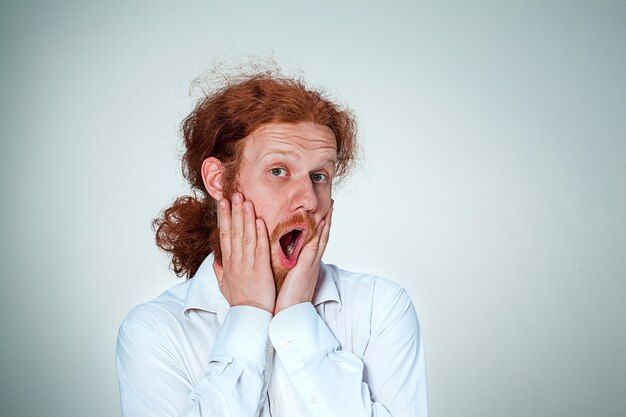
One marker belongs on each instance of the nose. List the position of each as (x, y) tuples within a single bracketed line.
[(304, 196)]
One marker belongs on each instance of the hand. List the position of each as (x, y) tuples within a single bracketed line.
[(245, 276), (300, 282)]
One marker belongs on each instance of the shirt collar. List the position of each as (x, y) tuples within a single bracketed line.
[(326, 287), (204, 293)]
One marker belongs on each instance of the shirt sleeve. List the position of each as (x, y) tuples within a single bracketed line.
[(330, 381), (154, 383)]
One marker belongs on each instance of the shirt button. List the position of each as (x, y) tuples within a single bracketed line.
[(314, 399), (286, 343), (278, 403)]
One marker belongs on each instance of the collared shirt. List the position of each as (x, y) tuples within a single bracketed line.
[(355, 350)]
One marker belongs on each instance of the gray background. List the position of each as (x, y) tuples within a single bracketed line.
[(493, 185)]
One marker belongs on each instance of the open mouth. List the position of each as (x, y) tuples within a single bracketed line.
[(289, 237), (290, 244)]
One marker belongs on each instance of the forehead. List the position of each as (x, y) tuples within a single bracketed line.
[(296, 139)]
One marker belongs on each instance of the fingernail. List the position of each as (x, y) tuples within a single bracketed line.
[(222, 203), (246, 207), (236, 198)]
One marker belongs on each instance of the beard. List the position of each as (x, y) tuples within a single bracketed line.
[(300, 221)]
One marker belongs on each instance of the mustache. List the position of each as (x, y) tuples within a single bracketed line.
[(294, 222)]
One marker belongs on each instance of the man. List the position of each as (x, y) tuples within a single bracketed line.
[(264, 327)]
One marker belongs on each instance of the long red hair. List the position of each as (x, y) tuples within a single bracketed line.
[(216, 127)]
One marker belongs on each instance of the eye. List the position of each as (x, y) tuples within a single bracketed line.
[(278, 172), (319, 178)]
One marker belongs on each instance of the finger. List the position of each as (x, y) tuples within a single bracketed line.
[(329, 215), (324, 233), (236, 228), (223, 208), (263, 243), (249, 231), (323, 240)]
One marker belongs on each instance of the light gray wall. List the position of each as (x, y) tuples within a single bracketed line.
[(493, 186)]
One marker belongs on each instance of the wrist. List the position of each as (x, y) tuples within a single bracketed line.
[(283, 303), (269, 307)]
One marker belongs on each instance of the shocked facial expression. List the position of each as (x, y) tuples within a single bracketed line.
[(286, 171)]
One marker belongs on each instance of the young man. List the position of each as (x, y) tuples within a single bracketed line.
[(264, 328)]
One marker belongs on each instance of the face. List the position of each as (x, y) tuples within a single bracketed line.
[(286, 171)]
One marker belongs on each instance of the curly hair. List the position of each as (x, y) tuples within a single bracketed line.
[(217, 127)]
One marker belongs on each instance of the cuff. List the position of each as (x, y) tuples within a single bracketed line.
[(298, 333), (244, 335)]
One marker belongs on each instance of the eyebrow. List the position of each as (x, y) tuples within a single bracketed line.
[(271, 152), (291, 154)]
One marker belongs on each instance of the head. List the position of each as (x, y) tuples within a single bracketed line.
[(271, 138), (286, 171)]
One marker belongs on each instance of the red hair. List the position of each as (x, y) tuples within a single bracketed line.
[(216, 128)]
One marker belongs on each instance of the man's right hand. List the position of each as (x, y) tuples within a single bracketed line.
[(245, 276)]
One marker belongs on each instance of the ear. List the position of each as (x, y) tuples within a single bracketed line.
[(212, 177)]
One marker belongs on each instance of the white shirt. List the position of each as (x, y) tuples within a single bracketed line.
[(356, 350)]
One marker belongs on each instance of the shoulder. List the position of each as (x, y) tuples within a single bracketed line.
[(150, 317), (370, 308), (356, 285)]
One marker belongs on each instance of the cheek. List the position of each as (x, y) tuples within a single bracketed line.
[(324, 197), (266, 208)]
